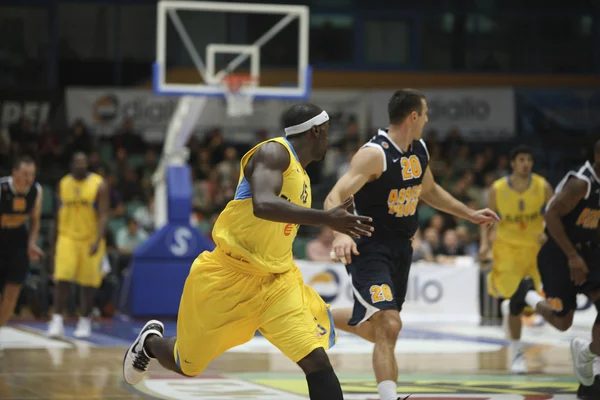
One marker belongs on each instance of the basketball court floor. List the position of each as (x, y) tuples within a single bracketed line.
[(436, 363)]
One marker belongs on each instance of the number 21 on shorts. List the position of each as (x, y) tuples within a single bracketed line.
[(381, 293)]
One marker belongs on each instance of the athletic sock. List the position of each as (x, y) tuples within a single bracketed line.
[(324, 385), (387, 390), (532, 298)]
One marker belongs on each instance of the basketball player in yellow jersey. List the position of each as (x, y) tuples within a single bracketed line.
[(519, 199), (80, 246), (250, 282)]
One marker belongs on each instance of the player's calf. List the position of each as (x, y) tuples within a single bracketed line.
[(386, 327), (137, 357), (322, 381)]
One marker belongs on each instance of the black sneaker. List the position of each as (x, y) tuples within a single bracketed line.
[(589, 392), (517, 301)]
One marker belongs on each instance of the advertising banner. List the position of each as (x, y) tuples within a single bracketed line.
[(36, 106), (436, 292), (105, 110)]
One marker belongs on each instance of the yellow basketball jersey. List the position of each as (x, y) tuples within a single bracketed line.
[(77, 217), (521, 213), (255, 245)]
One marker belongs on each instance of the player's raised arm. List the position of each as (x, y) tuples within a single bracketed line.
[(33, 250), (103, 211), (438, 198), (565, 201), (265, 175)]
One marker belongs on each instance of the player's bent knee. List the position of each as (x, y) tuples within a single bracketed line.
[(317, 360), (387, 324), (563, 323)]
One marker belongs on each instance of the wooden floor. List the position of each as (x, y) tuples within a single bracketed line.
[(435, 363)]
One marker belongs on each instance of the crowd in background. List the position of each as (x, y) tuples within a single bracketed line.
[(127, 162)]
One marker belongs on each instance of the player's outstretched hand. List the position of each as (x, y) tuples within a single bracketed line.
[(484, 217), (342, 249), (340, 220), (579, 269)]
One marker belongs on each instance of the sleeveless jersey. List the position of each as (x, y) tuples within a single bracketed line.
[(15, 208), (521, 213), (255, 245), (77, 216), (392, 199), (582, 222)]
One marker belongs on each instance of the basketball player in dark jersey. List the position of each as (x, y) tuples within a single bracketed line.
[(20, 200), (567, 264), (388, 176)]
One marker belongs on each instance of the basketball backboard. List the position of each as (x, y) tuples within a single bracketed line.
[(222, 38)]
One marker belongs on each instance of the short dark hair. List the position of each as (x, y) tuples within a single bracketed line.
[(403, 102), (78, 154), (299, 113), (520, 149), (597, 147), (23, 160)]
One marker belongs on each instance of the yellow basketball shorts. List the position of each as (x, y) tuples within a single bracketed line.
[(511, 263), (222, 308), (73, 262)]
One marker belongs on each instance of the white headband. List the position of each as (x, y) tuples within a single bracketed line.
[(303, 127)]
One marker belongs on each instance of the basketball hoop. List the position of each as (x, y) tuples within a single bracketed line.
[(239, 94)]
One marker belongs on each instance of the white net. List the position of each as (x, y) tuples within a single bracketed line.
[(239, 94)]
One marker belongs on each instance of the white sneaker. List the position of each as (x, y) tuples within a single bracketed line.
[(56, 329), (518, 365), (583, 365), (135, 362), (83, 329)]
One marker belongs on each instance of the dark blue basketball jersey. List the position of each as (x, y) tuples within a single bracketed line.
[(391, 200), (582, 222), (15, 208)]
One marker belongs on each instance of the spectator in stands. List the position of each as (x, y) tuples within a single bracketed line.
[(502, 167), (144, 215), (462, 162), (450, 248), (421, 249), (203, 164), (117, 207), (465, 240), (229, 168), (129, 139), (129, 238), (130, 186), (23, 134), (437, 222), (148, 168), (95, 162), (120, 162), (49, 147), (319, 249), (78, 139), (215, 143), (431, 238)]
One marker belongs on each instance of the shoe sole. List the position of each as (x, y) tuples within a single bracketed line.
[(151, 322), (579, 377)]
